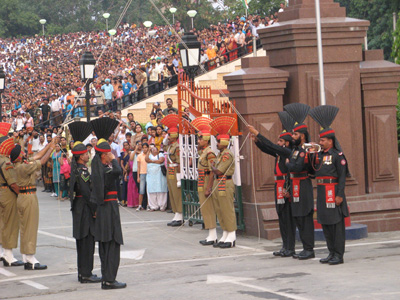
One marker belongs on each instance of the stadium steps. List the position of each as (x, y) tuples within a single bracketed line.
[(214, 79)]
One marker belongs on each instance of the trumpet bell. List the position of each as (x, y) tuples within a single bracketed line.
[(311, 147)]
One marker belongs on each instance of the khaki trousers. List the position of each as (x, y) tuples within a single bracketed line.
[(224, 205), (9, 221), (28, 211), (207, 207), (175, 194)]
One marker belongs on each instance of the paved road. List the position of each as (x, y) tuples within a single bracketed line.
[(159, 262)]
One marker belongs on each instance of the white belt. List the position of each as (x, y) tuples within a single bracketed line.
[(172, 165)]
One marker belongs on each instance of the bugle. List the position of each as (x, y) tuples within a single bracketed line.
[(310, 147)]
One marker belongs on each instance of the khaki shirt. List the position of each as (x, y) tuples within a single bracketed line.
[(26, 172), (207, 157), (8, 171), (173, 153), (225, 163)]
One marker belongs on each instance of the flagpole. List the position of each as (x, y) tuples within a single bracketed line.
[(320, 55)]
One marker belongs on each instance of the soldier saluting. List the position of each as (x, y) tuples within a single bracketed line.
[(331, 170), (301, 189), (83, 211), (8, 200), (281, 151)]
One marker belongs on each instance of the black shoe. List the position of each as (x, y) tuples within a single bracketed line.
[(296, 255), (91, 279), (17, 263), (177, 223), (170, 223), (207, 243), (279, 253), (227, 245), (326, 259), (218, 244), (37, 266), (306, 255), (336, 260), (105, 285), (288, 253), (44, 191)]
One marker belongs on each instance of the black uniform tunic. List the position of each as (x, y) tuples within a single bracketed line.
[(331, 167), (83, 221), (298, 168), (287, 226), (82, 209), (108, 223)]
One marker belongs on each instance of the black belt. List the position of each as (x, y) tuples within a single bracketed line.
[(283, 177), (207, 172), (327, 180), (226, 177), (27, 191), (3, 184)]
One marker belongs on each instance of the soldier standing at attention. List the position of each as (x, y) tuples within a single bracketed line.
[(27, 201), (281, 151), (331, 169), (223, 189), (108, 232), (9, 222), (83, 211), (301, 187), (173, 175), (205, 180)]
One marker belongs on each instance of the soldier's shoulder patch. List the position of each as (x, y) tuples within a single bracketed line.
[(225, 157), (302, 154), (85, 177), (343, 162)]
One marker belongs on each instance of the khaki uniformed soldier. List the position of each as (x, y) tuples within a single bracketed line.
[(223, 187), (173, 175), (27, 202), (205, 182), (9, 223)]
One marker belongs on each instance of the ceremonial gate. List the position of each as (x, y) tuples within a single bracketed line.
[(200, 103)]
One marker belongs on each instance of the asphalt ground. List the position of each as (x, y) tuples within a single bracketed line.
[(160, 262)]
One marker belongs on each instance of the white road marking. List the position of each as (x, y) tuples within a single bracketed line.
[(130, 254), (216, 279), (65, 238), (35, 285), (146, 264), (7, 273), (123, 223)]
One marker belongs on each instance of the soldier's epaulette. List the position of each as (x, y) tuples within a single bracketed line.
[(85, 178), (210, 153), (225, 156), (9, 163)]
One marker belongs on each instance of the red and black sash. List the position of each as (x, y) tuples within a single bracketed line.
[(329, 182)]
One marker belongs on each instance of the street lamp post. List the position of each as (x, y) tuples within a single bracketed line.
[(106, 16), (2, 86), (112, 32), (190, 57), (192, 14), (87, 64), (42, 21), (173, 10)]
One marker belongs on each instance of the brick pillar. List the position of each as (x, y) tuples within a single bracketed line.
[(258, 90)]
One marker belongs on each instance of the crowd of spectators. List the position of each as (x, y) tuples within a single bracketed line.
[(43, 88)]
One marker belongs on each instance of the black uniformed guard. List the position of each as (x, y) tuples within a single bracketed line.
[(83, 211), (281, 151), (331, 170), (301, 189), (105, 171)]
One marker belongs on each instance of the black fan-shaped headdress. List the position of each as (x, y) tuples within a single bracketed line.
[(104, 127), (287, 124), (299, 112), (79, 131)]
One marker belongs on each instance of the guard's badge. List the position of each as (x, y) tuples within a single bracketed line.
[(302, 154), (295, 154), (343, 162), (225, 158)]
